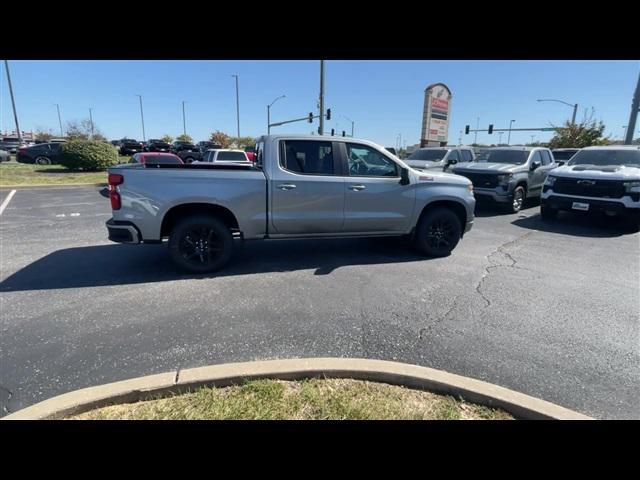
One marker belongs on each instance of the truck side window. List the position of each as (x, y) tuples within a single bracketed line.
[(308, 157), (466, 156), (546, 158), (454, 156), (365, 161)]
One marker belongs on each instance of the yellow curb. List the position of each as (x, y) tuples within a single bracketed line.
[(413, 376)]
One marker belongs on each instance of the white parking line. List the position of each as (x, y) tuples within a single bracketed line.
[(6, 201)]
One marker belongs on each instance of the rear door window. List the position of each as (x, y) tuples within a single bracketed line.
[(308, 157)]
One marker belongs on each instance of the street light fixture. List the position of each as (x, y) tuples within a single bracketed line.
[(573, 105), (269, 113), (509, 136)]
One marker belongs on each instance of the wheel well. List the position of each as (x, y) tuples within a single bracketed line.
[(457, 208), (523, 183), (181, 211)]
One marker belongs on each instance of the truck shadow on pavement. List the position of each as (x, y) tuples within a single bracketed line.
[(113, 264), (580, 225)]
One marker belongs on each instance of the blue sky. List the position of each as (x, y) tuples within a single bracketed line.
[(384, 98)]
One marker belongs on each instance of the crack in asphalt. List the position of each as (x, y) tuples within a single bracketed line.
[(490, 258), (438, 320), (175, 380)]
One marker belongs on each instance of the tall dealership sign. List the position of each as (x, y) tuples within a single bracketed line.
[(436, 115)]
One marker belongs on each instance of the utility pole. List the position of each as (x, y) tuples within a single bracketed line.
[(352, 122), (237, 105), (460, 138), (532, 137), (509, 137), (321, 127), (91, 121), (500, 137), (59, 120), (631, 126), (624, 135), (475, 140), (184, 121), (13, 101), (144, 138)]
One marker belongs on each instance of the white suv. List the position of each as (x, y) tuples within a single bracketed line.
[(223, 156), (596, 179)]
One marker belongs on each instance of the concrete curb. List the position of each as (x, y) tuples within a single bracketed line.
[(49, 185), (413, 376)]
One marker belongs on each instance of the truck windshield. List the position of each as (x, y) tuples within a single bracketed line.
[(564, 154), (628, 158), (512, 157), (433, 155)]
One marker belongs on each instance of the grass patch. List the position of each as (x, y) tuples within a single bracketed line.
[(14, 173), (314, 399)]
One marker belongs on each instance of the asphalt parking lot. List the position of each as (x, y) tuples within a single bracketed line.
[(550, 309)]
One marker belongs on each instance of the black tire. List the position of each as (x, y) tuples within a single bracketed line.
[(438, 232), (200, 244), (189, 160), (548, 213), (519, 197), (42, 160)]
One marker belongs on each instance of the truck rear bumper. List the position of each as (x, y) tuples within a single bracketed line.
[(123, 232)]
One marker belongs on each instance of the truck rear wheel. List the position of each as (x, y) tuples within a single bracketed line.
[(438, 232), (200, 244)]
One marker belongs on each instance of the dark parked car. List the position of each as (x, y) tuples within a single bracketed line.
[(11, 144), (204, 146), (563, 155), (130, 146), (41, 154), (188, 152), (157, 145), (156, 158)]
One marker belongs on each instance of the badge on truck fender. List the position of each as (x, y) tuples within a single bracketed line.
[(426, 179)]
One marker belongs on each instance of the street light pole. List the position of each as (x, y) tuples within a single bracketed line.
[(13, 102), (237, 105), (144, 138), (500, 137), (269, 113), (184, 121), (91, 121), (352, 123), (509, 136), (59, 120), (635, 108), (321, 127)]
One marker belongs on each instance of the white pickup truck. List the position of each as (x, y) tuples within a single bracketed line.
[(596, 180), (301, 186)]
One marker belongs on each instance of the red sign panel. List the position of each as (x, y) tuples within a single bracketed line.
[(437, 103)]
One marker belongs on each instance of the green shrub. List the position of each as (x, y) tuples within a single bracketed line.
[(88, 156)]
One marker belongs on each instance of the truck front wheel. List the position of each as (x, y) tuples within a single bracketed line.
[(200, 244), (438, 232)]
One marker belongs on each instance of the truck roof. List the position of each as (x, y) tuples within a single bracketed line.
[(613, 147)]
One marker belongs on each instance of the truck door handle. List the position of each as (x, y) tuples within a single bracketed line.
[(286, 186), (357, 188)]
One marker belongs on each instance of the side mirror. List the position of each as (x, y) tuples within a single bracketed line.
[(404, 176), (453, 161), (534, 165)]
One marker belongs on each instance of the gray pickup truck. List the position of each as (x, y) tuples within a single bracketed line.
[(301, 186), (508, 175)]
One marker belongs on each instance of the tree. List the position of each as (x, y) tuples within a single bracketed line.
[(579, 135), (221, 138), (167, 138), (244, 141), (184, 138), (82, 130), (43, 135)]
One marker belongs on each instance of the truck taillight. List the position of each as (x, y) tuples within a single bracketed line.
[(115, 179)]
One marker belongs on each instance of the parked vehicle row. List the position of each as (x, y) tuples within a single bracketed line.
[(439, 158), (40, 154)]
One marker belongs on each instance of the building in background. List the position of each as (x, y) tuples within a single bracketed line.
[(436, 116)]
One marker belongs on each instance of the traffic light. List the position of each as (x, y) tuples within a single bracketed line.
[(328, 114), (343, 133), (466, 130), (490, 129), (333, 132), (310, 117)]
